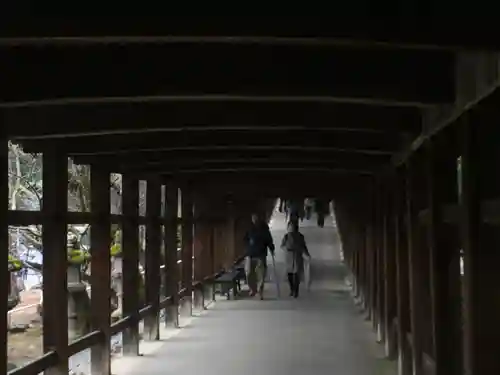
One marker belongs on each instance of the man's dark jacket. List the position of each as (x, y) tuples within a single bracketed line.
[(257, 240)]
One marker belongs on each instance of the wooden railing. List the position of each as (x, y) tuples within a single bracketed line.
[(52, 359)]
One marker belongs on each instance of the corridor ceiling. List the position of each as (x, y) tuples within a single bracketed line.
[(258, 107)]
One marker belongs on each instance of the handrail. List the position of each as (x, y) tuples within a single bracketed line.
[(121, 325), (85, 342), (38, 365), (97, 337)]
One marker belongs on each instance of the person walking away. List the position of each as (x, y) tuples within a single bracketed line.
[(295, 248), (308, 203), (258, 240)]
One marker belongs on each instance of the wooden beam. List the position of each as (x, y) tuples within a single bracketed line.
[(402, 275), (4, 239), (130, 261), (397, 32), (482, 95), (196, 158), (193, 164), (55, 260), (415, 265), (480, 241), (331, 74), (444, 265), (274, 171), (100, 276), (389, 266), (153, 142), (165, 118), (380, 258), (187, 248), (153, 256), (171, 267)]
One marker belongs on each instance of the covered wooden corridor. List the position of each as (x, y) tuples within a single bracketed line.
[(321, 332), (205, 125)]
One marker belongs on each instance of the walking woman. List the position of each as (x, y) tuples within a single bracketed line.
[(294, 245)]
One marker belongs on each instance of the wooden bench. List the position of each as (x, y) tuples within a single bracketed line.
[(241, 275), (229, 281)]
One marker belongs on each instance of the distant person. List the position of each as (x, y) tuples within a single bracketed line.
[(296, 210), (281, 205), (295, 248), (258, 240), (322, 210), (309, 205)]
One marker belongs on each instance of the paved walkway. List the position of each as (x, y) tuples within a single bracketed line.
[(322, 332)]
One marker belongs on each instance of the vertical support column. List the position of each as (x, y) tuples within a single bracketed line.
[(379, 248), (171, 268), (369, 265), (445, 279), (54, 235), (4, 242), (402, 275), (201, 249), (481, 246), (414, 267), (372, 253), (361, 252), (241, 228), (367, 259), (231, 232), (153, 258), (212, 256), (130, 268), (219, 245), (360, 255), (389, 270), (100, 277), (356, 257), (187, 250)]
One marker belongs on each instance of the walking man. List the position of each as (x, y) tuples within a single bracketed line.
[(257, 240)]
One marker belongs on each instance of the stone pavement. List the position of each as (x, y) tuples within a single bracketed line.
[(322, 332)]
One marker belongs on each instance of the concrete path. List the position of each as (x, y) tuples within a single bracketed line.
[(322, 332)]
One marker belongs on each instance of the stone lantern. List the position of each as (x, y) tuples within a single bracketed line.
[(78, 297)]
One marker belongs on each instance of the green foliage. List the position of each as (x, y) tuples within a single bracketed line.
[(79, 256), (14, 264)]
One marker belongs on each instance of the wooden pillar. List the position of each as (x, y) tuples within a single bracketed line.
[(171, 268), (389, 269), (356, 257), (481, 244), (55, 259), (414, 266), (372, 263), (130, 262), (231, 233), (370, 291), (199, 244), (445, 279), (360, 278), (239, 233), (402, 275), (202, 237), (379, 249), (213, 267), (153, 258), (187, 249), (4, 239), (360, 239), (100, 277), (219, 246)]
